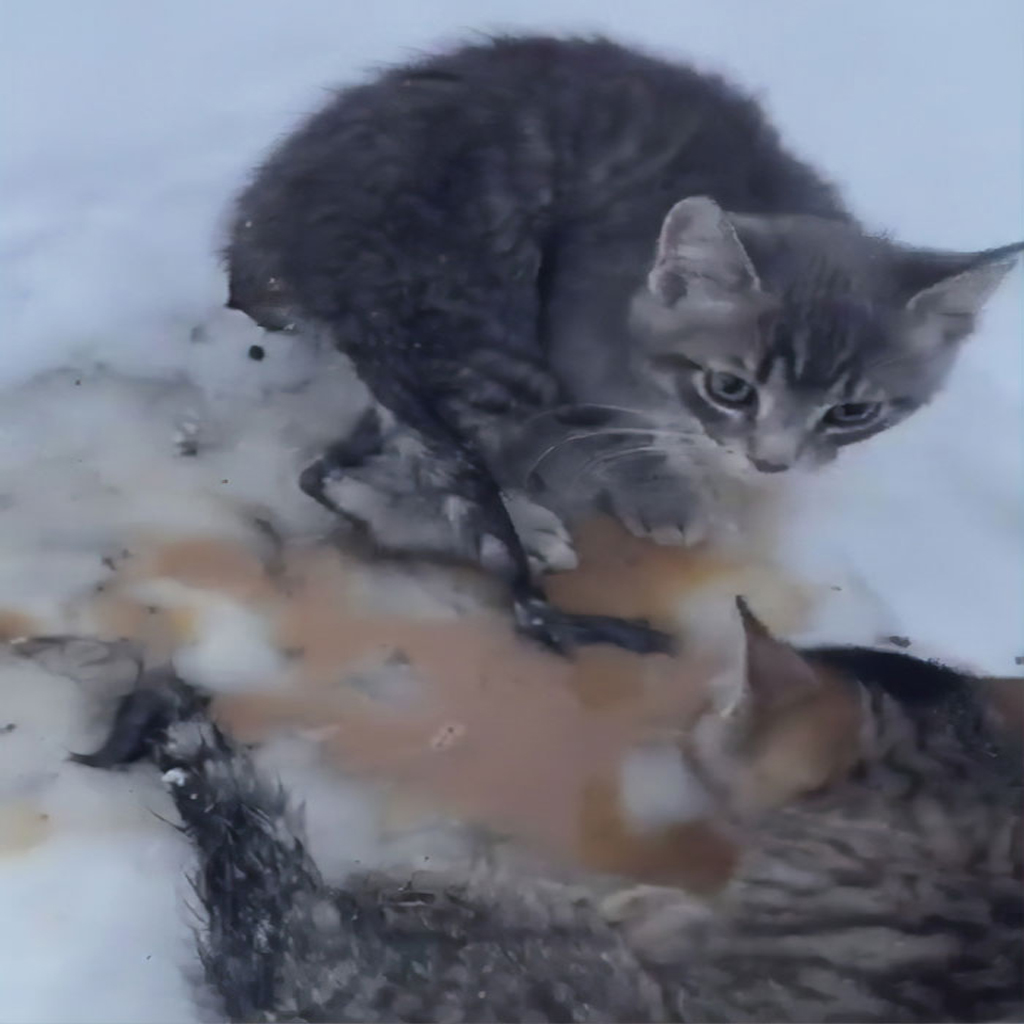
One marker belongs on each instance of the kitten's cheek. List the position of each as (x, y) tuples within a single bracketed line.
[(726, 438), (819, 457)]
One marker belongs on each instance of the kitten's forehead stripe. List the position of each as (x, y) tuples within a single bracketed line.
[(826, 327)]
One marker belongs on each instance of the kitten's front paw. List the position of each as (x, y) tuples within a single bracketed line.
[(658, 506), (545, 539)]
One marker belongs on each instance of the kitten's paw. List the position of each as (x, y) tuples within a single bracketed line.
[(323, 477), (424, 523), (313, 482), (658, 506), (365, 473), (344, 495), (548, 545), (684, 534)]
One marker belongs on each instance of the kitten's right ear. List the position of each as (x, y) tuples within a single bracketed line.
[(699, 250), (951, 288)]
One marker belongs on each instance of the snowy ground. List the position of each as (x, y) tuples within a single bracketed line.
[(125, 126)]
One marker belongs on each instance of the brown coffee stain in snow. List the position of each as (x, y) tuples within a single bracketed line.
[(460, 714)]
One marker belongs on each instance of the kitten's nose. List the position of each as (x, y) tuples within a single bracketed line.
[(765, 466)]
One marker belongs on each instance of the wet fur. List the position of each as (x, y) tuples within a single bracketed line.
[(280, 944), (894, 895)]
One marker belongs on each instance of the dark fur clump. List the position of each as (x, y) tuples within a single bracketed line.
[(896, 895), (910, 680)]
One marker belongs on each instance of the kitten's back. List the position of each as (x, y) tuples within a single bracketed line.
[(532, 143)]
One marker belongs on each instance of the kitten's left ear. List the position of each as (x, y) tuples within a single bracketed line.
[(955, 286), (699, 250)]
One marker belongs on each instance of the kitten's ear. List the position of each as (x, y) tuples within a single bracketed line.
[(775, 671), (699, 250), (804, 729), (955, 286)]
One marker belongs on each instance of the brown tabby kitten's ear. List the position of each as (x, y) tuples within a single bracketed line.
[(1006, 695), (699, 251), (776, 673), (950, 288), (804, 725)]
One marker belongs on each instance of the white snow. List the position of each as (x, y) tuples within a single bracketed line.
[(124, 129)]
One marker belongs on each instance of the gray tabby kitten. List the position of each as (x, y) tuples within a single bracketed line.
[(539, 246), (893, 895)]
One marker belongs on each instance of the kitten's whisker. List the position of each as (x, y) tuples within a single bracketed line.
[(559, 410), (603, 460), (609, 458), (563, 441), (678, 435)]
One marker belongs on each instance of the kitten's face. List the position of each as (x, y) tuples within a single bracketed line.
[(791, 337)]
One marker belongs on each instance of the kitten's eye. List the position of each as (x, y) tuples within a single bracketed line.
[(728, 390), (852, 414)]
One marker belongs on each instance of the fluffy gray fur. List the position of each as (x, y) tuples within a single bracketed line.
[(536, 245), (895, 895)]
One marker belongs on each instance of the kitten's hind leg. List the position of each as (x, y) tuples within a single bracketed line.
[(407, 499), (553, 628), (394, 492), (399, 494)]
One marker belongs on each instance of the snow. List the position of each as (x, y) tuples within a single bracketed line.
[(126, 126)]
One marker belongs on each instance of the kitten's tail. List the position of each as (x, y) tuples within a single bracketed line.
[(261, 893)]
